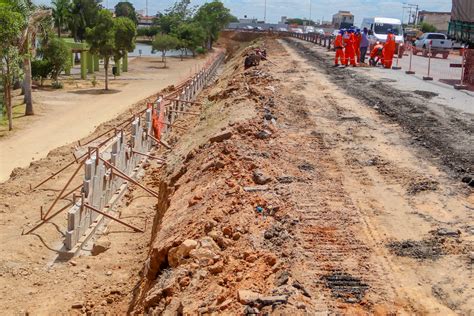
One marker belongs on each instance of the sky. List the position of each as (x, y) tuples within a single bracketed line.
[(320, 9)]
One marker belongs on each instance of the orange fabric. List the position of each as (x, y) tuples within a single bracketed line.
[(375, 52), (158, 119), (350, 52), (389, 50), (339, 45), (357, 40), (338, 41)]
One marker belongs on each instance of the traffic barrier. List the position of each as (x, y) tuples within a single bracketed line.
[(428, 77), (451, 70)]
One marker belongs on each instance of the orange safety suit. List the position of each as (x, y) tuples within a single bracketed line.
[(350, 52), (339, 46), (389, 50), (357, 40), (377, 52)]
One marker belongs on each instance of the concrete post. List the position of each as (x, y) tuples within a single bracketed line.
[(125, 63), (83, 65), (90, 63), (96, 63)]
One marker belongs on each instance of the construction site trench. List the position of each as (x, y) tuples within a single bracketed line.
[(289, 188)]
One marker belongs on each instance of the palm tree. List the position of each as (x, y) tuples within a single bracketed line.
[(35, 18), (60, 13)]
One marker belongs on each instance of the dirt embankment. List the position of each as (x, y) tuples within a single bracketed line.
[(286, 197)]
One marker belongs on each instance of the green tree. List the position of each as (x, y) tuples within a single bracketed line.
[(213, 17), (174, 16), (164, 43), (126, 9), (299, 21), (12, 24), (83, 15), (101, 39), (125, 34), (41, 69), (60, 14), (427, 28), (233, 18), (191, 36), (148, 31), (58, 55)]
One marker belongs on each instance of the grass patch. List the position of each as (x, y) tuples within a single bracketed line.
[(18, 111)]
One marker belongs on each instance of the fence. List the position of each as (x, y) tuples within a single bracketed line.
[(452, 67), (113, 159)]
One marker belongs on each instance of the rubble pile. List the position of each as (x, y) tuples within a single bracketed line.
[(224, 235)]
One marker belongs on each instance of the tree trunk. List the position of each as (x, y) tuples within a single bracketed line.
[(106, 67), (27, 87), (8, 98), (59, 29), (163, 53)]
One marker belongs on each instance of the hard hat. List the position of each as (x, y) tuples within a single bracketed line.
[(358, 30), (341, 31), (389, 31)]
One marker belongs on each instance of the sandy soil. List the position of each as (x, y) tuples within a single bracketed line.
[(286, 185), (64, 116)]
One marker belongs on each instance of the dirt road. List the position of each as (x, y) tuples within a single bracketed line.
[(64, 116), (298, 190)]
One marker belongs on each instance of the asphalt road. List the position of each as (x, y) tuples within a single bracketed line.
[(440, 68)]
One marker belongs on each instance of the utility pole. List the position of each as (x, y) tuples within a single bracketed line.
[(146, 8), (265, 12), (310, 11)]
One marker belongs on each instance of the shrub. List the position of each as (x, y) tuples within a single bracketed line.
[(200, 51), (58, 55), (41, 69)]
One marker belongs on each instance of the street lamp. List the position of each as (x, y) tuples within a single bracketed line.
[(265, 13)]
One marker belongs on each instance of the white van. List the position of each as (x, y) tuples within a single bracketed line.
[(378, 28)]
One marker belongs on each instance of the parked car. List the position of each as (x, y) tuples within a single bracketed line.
[(440, 44)]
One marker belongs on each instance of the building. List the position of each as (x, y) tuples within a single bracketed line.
[(248, 20), (440, 20), (283, 20), (342, 19), (145, 21)]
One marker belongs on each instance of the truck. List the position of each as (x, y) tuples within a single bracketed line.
[(438, 43), (461, 26), (461, 29), (378, 29)]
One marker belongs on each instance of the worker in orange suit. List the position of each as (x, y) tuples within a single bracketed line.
[(349, 54), (376, 54), (339, 46), (357, 40), (389, 49)]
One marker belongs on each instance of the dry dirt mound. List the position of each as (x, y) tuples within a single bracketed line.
[(262, 206)]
